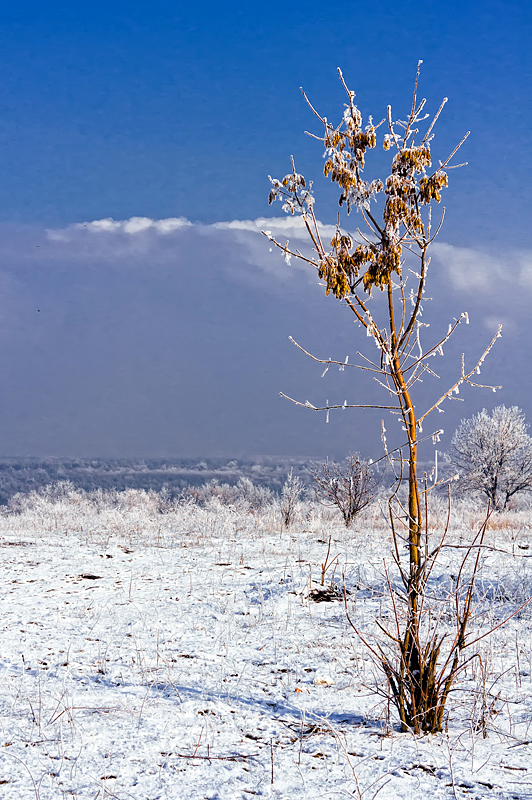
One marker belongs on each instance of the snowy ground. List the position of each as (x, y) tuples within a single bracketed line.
[(177, 655)]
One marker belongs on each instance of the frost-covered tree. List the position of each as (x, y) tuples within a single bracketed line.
[(493, 454), (379, 273)]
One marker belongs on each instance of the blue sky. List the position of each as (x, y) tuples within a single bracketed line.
[(170, 110)]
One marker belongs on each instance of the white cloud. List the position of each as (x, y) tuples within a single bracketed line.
[(525, 269), (239, 244), (282, 227), (243, 249), (288, 227), (128, 309), (469, 268), (492, 322), (132, 226)]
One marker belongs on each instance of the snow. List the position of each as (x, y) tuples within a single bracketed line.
[(152, 652)]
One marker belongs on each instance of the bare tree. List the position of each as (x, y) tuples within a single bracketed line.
[(493, 454), (354, 266), (350, 487)]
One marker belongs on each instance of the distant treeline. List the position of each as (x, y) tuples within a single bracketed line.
[(26, 474)]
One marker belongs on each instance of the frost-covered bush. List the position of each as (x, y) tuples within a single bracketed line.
[(290, 499)]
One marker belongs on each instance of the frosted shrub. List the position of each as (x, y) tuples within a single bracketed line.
[(290, 499), (255, 497)]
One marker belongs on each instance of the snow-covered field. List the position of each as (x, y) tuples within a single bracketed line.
[(176, 655)]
